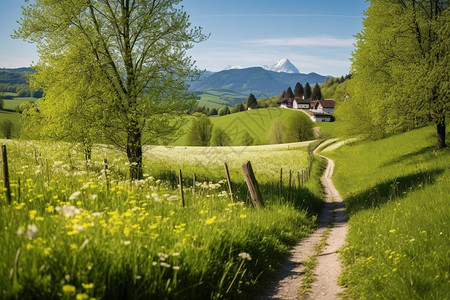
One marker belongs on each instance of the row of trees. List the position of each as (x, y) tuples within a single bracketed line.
[(400, 70), (300, 91), (22, 90)]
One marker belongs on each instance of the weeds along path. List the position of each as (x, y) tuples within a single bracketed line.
[(311, 259)]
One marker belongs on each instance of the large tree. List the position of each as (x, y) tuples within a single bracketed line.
[(252, 103), (401, 67), (307, 91), (316, 93), (298, 90), (137, 51)]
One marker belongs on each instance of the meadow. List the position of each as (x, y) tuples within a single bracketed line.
[(72, 232), (396, 190), (218, 99), (255, 122)]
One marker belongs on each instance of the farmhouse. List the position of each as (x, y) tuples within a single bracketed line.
[(320, 116), (295, 103), (324, 105)]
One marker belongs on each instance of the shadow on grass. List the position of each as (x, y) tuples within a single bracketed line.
[(390, 190), (408, 156)]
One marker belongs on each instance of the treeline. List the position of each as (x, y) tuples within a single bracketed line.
[(250, 103), (16, 81), (303, 92)]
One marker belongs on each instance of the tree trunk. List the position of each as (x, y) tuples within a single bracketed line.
[(440, 134), (134, 153)]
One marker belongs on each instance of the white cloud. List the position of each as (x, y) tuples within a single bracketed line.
[(323, 41)]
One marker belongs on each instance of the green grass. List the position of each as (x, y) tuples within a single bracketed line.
[(11, 104), (255, 122), (218, 99), (71, 234), (396, 190)]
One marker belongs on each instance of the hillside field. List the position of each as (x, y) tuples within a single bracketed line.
[(72, 233), (397, 192), (255, 122), (218, 99)]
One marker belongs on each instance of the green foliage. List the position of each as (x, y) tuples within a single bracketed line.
[(220, 137), (247, 139), (276, 132), (200, 131), (252, 103), (136, 85), (224, 111), (400, 69), (396, 190), (289, 93), (317, 93), (6, 127), (238, 108), (298, 127)]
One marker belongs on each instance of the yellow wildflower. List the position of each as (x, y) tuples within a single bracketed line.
[(68, 289), (88, 286), (210, 220)]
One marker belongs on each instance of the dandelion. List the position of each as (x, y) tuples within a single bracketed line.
[(210, 220), (68, 289), (392, 231), (82, 297), (242, 216), (50, 209), (32, 214), (245, 256)]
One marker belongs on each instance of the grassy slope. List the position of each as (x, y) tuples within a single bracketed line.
[(256, 122), (217, 99), (397, 192)]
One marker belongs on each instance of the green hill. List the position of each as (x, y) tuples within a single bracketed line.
[(255, 122), (397, 191)]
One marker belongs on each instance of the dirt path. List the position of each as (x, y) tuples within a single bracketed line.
[(328, 269)]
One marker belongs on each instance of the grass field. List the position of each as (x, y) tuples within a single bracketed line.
[(72, 234), (255, 122), (218, 99), (397, 191)]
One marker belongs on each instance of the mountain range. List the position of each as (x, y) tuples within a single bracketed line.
[(262, 82)]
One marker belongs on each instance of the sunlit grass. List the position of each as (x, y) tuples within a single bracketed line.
[(396, 190), (71, 233)]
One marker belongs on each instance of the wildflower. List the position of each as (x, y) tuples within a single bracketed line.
[(87, 286), (75, 195), (20, 230), (172, 198), (68, 210), (32, 214), (245, 256), (126, 243), (210, 220), (176, 268), (47, 251), (82, 297), (68, 289), (50, 209), (392, 231), (165, 265), (31, 231), (242, 216)]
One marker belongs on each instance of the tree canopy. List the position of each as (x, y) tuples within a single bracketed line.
[(298, 90), (307, 91), (134, 50), (400, 69), (316, 93), (252, 103)]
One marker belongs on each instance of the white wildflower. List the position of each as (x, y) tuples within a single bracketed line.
[(176, 268), (126, 243), (165, 265), (68, 210), (75, 195), (245, 256), (31, 231), (94, 196), (173, 198)]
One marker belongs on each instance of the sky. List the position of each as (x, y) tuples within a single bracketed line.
[(315, 35)]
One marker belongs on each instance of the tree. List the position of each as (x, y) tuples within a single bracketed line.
[(224, 111), (400, 68), (138, 51), (200, 132), (317, 93), (6, 127), (213, 112), (283, 94), (247, 139), (275, 133), (238, 108), (298, 90), (298, 128), (252, 103), (289, 93), (307, 91), (220, 137)]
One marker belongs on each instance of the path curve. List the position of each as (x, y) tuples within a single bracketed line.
[(325, 286)]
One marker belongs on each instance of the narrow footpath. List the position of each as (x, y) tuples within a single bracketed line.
[(328, 269)]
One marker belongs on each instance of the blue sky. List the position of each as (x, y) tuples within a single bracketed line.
[(316, 36)]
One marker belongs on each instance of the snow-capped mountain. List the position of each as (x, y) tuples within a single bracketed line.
[(230, 67), (283, 65)]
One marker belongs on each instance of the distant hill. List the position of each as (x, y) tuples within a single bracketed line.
[(262, 83), (14, 76)]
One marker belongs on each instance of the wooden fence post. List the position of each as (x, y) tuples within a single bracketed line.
[(229, 181), (193, 186), (298, 179), (281, 181), (252, 184), (290, 185), (180, 179), (105, 172), (6, 174)]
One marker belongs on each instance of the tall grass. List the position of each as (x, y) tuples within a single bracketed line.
[(69, 233), (396, 190)]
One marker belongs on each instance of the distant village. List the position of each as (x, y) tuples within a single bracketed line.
[(318, 110)]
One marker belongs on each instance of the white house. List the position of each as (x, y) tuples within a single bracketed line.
[(324, 106)]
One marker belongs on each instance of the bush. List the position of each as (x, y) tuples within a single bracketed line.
[(247, 139), (6, 127), (299, 127), (220, 137), (200, 131), (275, 134)]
